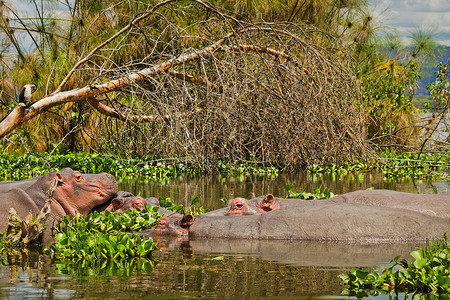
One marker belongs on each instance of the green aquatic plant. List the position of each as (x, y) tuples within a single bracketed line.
[(110, 222), (397, 164), (394, 164), (170, 205), (104, 235), (194, 208), (429, 273), (316, 194), (244, 168), (96, 245), (15, 166), (355, 167)]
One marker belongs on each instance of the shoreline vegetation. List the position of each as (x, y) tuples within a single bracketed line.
[(394, 164)]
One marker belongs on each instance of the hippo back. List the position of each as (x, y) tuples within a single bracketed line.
[(324, 220)]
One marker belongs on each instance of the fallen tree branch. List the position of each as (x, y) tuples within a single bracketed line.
[(21, 114)]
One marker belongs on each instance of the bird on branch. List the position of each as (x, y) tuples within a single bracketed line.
[(25, 94)]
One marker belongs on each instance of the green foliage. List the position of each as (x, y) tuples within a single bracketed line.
[(387, 94), (102, 236), (440, 89), (2, 243), (95, 245), (429, 273), (194, 208), (168, 203), (110, 222), (397, 164), (243, 168), (316, 194), (356, 167), (15, 166)]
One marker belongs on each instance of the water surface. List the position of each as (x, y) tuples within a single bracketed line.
[(248, 270)]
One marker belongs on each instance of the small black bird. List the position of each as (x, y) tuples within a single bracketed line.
[(25, 94)]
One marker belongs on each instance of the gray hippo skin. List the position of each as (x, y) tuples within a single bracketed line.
[(367, 216), (75, 192), (431, 204)]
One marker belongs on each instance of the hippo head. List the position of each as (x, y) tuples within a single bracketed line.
[(269, 203), (168, 227), (239, 207), (120, 204), (82, 192)]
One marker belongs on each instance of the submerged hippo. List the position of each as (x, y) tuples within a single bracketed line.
[(75, 192), (368, 216)]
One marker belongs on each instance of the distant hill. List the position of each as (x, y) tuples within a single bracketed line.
[(430, 76)]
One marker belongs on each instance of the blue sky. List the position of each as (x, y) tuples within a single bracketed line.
[(405, 16)]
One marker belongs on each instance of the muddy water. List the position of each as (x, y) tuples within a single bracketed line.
[(219, 269)]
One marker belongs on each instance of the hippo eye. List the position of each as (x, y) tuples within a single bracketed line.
[(78, 176), (239, 205)]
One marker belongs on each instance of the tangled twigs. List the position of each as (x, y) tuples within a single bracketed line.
[(279, 93)]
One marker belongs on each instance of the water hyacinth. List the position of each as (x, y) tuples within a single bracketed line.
[(92, 246), (429, 273), (105, 236), (108, 222)]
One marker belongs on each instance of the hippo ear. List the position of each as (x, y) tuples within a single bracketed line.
[(117, 203), (269, 197), (60, 178), (187, 221)]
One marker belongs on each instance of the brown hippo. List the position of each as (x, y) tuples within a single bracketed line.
[(432, 204), (124, 201), (240, 206), (359, 216), (75, 192)]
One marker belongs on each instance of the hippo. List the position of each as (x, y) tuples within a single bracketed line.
[(363, 216), (124, 201), (432, 204), (240, 206), (74, 193)]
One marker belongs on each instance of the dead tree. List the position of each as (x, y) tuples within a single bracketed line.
[(278, 93)]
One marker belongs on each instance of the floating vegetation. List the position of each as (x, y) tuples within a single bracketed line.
[(110, 222), (412, 165), (429, 274), (316, 194), (14, 166), (395, 165), (194, 208), (93, 246), (244, 168), (104, 236)]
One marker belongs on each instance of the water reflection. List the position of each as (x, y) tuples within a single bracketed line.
[(211, 188), (249, 270)]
